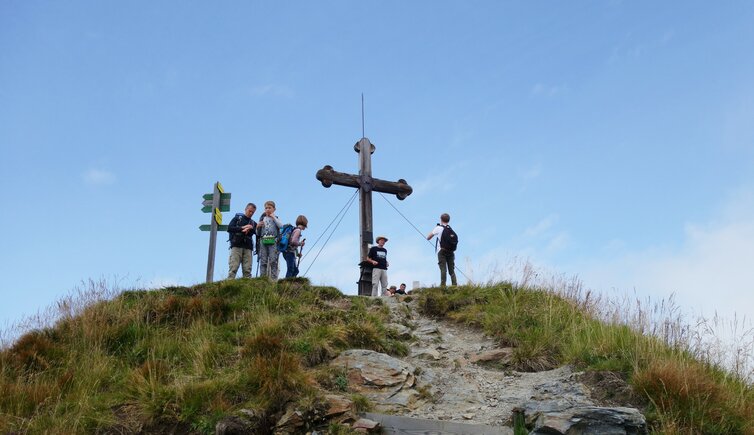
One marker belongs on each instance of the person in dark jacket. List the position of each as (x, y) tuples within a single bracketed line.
[(241, 229), (377, 257)]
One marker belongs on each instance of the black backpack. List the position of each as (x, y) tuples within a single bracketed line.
[(237, 238), (448, 239)]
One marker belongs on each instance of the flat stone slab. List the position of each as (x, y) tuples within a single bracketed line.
[(502, 355), (592, 420), (387, 381), (395, 424), (367, 367)]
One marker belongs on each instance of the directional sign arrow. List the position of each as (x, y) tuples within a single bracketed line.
[(209, 227), (222, 196), (222, 202), (208, 208), (218, 217)]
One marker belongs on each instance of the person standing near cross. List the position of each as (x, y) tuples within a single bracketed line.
[(366, 184), (377, 257), (446, 256)]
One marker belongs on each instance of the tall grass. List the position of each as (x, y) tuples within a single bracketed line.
[(181, 358), (690, 386)]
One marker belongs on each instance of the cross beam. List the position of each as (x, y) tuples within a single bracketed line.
[(366, 185)]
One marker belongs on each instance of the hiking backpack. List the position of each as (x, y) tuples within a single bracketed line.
[(448, 239), (237, 237), (285, 237)]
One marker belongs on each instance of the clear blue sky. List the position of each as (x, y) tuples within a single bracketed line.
[(611, 140)]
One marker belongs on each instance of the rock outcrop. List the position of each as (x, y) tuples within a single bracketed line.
[(456, 375), (387, 381)]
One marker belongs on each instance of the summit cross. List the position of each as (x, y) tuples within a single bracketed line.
[(366, 184)]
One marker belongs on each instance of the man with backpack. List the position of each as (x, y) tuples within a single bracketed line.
[(446, 249), (241, 229)]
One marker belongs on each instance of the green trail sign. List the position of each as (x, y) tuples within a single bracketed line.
[(214, 203), (208, 208), (209, 227), (223, 197), (224, 202)]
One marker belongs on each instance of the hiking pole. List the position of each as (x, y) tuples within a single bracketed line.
[(258, 260), (300, 253)]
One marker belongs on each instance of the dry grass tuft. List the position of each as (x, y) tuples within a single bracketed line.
[(277, 378), (688, 399), (22, 399), (34, 351)]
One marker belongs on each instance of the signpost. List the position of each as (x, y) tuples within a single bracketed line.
[(214, 203)]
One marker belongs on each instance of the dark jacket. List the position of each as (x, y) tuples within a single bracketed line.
[(237, 238), (379, 255)]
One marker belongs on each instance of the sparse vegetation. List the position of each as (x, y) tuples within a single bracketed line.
[(685, 390), (361, 403), (182, 358)]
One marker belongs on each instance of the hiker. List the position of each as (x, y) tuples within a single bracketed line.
[(268, 251), (241, 230), (377, 257), (401, 290), (446, 247), (292, 251), (391, 291)]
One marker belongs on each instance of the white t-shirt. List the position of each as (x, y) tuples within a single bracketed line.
[(438, 232)]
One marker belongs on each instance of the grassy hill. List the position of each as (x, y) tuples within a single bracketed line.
[(180, 359)]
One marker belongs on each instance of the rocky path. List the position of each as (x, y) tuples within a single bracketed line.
[(454, 373), (456, 366)]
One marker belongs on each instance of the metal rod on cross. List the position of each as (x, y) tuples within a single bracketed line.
[(366, 184)]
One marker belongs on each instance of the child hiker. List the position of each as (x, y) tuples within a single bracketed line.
[(268, 251), (292, 252)]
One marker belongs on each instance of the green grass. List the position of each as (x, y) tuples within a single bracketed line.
[(183, 357), (547, 328)]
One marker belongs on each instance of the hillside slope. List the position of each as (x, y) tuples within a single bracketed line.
[(180, 360)]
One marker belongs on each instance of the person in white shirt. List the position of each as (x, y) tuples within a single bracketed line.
[(445, 256)]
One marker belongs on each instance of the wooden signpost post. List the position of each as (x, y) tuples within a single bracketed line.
[(366, 184), (215, 203)]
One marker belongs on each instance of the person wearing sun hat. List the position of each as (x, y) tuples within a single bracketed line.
[(377, 257)]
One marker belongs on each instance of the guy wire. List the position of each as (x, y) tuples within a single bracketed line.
[(330, 224), (350, 202)]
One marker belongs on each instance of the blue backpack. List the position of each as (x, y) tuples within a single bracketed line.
[(285, 237)]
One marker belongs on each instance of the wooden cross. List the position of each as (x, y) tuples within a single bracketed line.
[(366, 184)]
